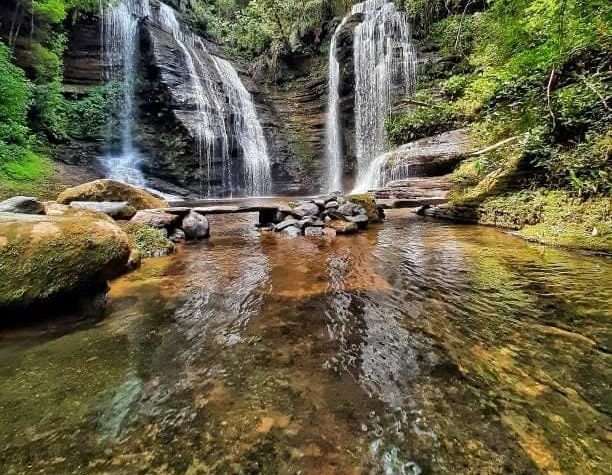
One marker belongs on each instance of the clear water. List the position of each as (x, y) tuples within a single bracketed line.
[(414, 347)]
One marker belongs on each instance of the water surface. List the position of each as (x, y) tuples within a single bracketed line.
[(415, 347)]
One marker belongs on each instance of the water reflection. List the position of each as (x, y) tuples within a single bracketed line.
[(416, 347)]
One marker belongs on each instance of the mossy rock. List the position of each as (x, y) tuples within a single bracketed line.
[(46, 257), (111, 190), (367, 201), (149, 242)]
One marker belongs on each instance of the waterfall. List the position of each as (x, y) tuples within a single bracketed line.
[(385, 68), (247, 130), (119, 34), (385, 168), (332, 125), (211, 126)]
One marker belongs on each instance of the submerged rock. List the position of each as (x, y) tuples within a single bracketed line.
[(22, 204), (111, 190), (313, 231), (342, 227), (195, 226), (43, 257), (115, 209)]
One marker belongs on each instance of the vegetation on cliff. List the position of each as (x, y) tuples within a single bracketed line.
[(533, 71), (34, 112)]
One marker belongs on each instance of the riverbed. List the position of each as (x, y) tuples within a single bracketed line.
[(414, 347)]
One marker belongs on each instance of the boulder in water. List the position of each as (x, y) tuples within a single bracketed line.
[(195, 226), (368, 202), (342, 227), (156, 218), (43, 258), (22, 204), (111, 190)]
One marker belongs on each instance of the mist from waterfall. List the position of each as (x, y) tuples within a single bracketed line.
[(211, 126), (119, 34), (385, 69), (333, 132)]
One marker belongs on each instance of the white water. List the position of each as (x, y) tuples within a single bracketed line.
[(384, 169), (333, 133), (247, 130), (385, 68), (119, 39), (211, 124)]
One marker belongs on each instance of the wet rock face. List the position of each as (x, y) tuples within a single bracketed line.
[(166, 124), (344, 54)]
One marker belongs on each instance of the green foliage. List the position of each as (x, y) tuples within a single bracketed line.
[(420, 122), (15, 97), (88, 115)]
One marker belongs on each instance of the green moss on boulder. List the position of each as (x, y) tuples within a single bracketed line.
[(149, 242), (367, 201), (45, 257), (111, 190)]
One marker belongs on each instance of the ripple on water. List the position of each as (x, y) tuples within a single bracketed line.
[(415, 347)]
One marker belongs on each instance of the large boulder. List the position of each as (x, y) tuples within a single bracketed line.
[(111, 190), (195, 226), (43, 258), (22, 204)]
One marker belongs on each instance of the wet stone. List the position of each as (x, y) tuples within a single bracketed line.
[(313, 231), (23, 205), (285, 224)]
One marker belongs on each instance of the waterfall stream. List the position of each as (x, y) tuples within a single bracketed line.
[(385, 68), (332, 125), (247, 130), (224, 115), (119, 34)]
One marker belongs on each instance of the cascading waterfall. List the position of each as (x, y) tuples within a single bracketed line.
[(332, 125), (211, 125), (384, 169), (119, 53), (247, 130), (209, 109), (385, 67)]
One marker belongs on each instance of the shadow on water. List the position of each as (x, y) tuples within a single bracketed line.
[(415, 347)]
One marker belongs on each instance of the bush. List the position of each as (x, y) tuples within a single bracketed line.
[(420, 122)]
